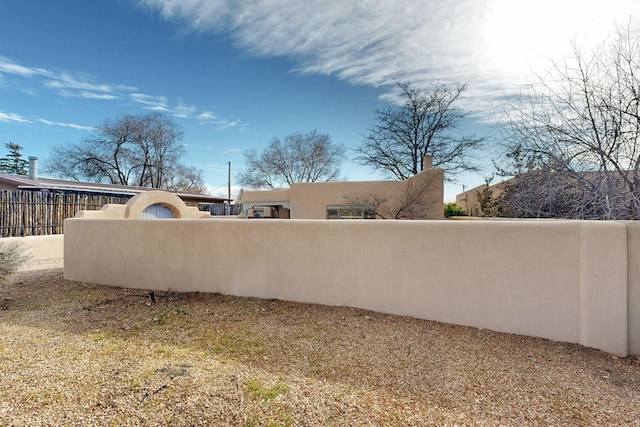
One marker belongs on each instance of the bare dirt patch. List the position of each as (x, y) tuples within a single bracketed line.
[(80, 354)]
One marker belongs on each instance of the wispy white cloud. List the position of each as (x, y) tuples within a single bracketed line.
[(207, 116), (12, 118), (64, 83), (68, 125), (183, 110), (230, 124), (221, 123), (150, 102), (490, 43), (86, 94), (9, 67), (79, 85), (17, 118)]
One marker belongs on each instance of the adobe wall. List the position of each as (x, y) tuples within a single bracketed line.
[(258, 196), (136, 205), (633, 295), (468, 201), (561, 280), (310, 200), (40, 247)]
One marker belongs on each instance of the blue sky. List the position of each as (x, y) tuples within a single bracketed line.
[(236, 73)]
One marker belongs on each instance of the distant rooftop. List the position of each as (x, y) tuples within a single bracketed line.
[(23, 182)]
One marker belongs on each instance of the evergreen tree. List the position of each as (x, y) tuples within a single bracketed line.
[(13, 162)]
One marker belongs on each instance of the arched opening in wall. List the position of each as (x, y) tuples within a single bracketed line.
[(156, 211)]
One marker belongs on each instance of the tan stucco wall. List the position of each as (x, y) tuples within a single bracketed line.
[(633, 307), (469, 202), (603, 285), (249, 196), (309, 200), (561, 280), (40, 247)]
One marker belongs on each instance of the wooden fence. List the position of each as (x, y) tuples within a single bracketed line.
[(37, 213), (222, 209)]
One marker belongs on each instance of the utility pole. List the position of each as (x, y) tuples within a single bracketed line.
[(229, 184)]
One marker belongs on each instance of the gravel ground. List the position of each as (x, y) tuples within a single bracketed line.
[(80, 354), (42, 264)]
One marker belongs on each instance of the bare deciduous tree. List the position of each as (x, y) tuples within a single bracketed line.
[(187, 179), (426, 124), (413, 202), (300, 157), (140, 150), (574, 143)]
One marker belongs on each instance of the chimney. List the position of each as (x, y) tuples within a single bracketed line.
[(427, 162), (33, 167)]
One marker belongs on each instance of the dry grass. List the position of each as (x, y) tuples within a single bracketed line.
[(80, 354)]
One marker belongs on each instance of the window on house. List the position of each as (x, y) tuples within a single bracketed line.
[(156, 211), (351, 212)]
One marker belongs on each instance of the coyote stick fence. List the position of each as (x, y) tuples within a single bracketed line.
[(35, 213)]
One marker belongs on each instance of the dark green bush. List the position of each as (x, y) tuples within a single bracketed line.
[(451, 209)]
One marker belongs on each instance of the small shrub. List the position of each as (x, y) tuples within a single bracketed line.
[(451, 209), (12, 255)]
